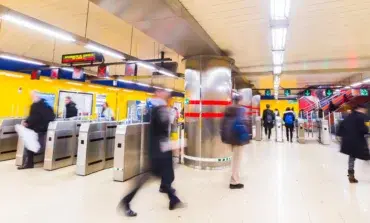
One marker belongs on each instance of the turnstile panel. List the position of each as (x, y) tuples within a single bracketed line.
[(8, 138), (91, 148), (109, 144), (131, 153), (61, 144)]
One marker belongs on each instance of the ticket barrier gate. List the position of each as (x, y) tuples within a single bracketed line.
[(131, 151), (110, 137), (301, 131), (61, 144), (258, 136), (279, 129), (92, 147), (8, 138), (324, 134)]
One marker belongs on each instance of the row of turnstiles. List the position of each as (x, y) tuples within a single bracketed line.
[(302, 132), (90, 145)]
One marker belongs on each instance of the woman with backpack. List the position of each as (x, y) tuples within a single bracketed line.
[(234, 132), (289, 119)]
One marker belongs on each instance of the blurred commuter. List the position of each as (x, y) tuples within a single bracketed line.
[(107, 112), (41, 114), (71, 110), (320, 113), (160, 154), (332, 107), (277, 113), (345, 98), (234, 131), (301, 114), (289, 119), (352, 131), (268, 118)]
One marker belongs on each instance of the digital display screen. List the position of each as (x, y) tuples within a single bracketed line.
[(82, 58)]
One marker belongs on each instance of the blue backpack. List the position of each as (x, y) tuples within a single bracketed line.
[(234, 130), (289, 119)]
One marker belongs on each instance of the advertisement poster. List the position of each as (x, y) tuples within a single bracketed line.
[(83, 101), (49, 99), (100, 100), (135, 110)]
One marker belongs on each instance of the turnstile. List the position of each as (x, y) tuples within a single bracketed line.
[(110, 135), (61, 144), (324, 134), (8, 138), (93, 148), (131, 151), (258, 136), (301, 131), (279, 129)]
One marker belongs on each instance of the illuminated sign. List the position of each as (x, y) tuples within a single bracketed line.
[(35, 74), (287, 92), (307, 92), (82, 58), (267, 92), (186, 101), (328, 92), (364, 92)]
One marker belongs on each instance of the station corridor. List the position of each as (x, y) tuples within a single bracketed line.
[(284, 182)]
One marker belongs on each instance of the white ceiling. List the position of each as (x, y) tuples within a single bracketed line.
[(320, 31)]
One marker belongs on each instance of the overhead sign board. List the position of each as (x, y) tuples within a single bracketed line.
[(307, 92), (364, 92), (267, 92), (329, 92), (81, 58), (287, 92)]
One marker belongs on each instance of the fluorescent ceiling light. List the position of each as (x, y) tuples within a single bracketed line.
[(68, 69), (167, 89), (366, 81), (157, 87), (347, 87), (38, 27), (278, 57), (128, 82), (164, 72), (144, 85), (277, 69), (94, 86), (105, 51), (113, 89), (73, 83), (146, 65), (280, 9), (19, 59), (356, 84), (278, 38)]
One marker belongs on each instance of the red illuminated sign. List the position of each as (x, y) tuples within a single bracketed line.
[(35, 75), (82, 58)]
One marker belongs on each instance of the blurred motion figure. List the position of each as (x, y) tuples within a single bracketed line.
[(268, 118), (160, 154), (41, 114), (71, 110), (352, 131)]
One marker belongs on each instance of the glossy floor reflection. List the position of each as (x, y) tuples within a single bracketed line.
[(284, 183)]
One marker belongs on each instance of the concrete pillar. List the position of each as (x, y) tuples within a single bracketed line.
[(207, 92)]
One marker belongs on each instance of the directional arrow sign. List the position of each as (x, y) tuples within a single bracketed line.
[(307, 92)]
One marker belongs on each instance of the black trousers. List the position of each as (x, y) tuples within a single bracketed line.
[(289, 132), (268, 131), (161, 168), (28, 154)]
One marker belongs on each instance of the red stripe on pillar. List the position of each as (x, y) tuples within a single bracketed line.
[(209, 102), (204, 115), (247, 106)]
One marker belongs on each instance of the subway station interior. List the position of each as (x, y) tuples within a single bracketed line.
[(110, 60)]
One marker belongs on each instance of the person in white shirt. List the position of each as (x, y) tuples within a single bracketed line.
[(107, 112)]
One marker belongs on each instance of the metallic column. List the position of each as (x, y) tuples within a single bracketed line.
[(207, 92)]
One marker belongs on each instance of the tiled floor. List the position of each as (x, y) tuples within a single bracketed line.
[(283, 183)]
